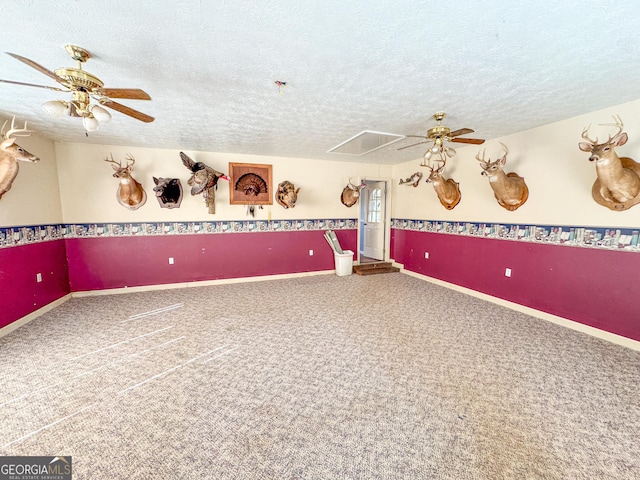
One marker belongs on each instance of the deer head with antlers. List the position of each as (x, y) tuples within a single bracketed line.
[(11, 153), (447, 190), (509, 188), (351, 193), (130, 193), (618, 182)]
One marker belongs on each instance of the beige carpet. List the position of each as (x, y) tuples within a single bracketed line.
[(325, 377)]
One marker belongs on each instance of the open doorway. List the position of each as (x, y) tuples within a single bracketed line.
[(373, 231)]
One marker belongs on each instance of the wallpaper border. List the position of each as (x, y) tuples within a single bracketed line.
[(609, 238), (26, 235)]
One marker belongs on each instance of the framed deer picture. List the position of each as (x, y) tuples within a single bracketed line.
[(251, 184)]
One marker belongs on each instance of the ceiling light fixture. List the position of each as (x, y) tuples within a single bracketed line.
[(440, 135), (80, 106), (84, 87)]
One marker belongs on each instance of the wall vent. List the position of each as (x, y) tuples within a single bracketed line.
[(365, 142)]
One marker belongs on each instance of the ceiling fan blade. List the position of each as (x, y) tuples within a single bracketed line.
[(143, 117), (130, 93), (462, 131), (475, 141), (412, 145), (56, 89), (37, 66)]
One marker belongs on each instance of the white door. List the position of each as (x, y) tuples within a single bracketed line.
[(374, 218)]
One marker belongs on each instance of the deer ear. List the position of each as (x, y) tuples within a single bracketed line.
[(620, 139), (502, 161), (585, 147), (297, 190), (155, 180), (7, 143)]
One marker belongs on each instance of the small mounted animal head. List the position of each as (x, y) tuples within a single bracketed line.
[(287, 194), (168, 192)]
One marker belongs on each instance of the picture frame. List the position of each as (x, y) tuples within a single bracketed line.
[(250, 184)]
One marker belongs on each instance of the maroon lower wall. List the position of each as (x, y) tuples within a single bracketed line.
[(20, 293), (596, 287), (127, 261)]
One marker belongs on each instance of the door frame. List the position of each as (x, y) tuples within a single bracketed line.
[(387, 217)]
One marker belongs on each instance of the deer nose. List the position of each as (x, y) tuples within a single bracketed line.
[(593, 158)]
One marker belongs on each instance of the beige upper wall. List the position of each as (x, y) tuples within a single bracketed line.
[(88, 189), (72, 183), (558, 174), (34, 198)]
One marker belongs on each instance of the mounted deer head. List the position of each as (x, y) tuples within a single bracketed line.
[(509, 188), (130, 193), (11, 153), (618, 182), (351, 193), (447, 190)]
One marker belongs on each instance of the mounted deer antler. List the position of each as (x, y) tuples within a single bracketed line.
[(447, 190), (509, 188), (618, 183), (130, 193), (11, 153)]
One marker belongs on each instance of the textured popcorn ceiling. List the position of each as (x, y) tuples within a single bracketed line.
[(211, 66)]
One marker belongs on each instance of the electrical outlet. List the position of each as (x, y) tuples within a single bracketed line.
[(170, 260), (426, 254), (311, 253), (507, 272), (38, 277)]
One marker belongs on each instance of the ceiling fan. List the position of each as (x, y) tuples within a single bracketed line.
[(84, 86), (441, 134)]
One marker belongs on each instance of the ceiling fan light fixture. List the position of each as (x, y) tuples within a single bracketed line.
[(56, 108), (450, 152), (101, 114), (90, 123)]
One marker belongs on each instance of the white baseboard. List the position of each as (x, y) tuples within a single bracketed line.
[(27, 318), (595, 332), (224, 281)]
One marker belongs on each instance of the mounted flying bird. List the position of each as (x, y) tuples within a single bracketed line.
[(84, 87)]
